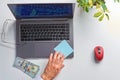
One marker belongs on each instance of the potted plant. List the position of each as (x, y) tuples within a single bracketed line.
[(100, 5)]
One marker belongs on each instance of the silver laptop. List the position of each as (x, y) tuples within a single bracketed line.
[(41, 27)]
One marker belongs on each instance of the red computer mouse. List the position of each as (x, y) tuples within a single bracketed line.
[(99, 53)]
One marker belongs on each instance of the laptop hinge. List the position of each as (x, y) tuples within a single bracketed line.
[(46, 19)]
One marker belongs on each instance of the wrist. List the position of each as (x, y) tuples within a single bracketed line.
[(45, 77)]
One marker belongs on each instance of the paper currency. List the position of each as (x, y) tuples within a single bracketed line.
[(26, 66)]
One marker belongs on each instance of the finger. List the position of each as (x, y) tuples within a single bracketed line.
[(55, 55), (59, 56), (62, 59), (51, 57)]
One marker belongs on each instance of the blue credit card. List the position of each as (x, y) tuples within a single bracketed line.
[(64, 48)]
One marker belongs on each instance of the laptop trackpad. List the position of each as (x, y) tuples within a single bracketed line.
[(43, 50)]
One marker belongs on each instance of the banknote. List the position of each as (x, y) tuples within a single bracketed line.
[(26, 66)]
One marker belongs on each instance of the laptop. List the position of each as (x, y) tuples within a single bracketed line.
[(41, 27)]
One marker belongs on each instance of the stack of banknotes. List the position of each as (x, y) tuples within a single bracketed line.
[(26, 66)]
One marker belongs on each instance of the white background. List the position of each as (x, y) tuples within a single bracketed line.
[(88, 33)]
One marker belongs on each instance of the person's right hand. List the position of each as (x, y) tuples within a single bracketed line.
[(54, 66)]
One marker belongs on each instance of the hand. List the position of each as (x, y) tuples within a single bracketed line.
[(54, 66)]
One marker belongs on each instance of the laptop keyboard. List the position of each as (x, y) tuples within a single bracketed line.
[(44, 32)]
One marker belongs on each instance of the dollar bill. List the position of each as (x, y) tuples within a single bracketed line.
[(26, 66)]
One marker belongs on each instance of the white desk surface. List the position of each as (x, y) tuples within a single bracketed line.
[(88, 33)]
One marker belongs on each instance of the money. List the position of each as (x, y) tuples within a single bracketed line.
[(26, 67)]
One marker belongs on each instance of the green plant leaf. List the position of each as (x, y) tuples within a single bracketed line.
[(107, 16), (104, 7), (86, 1), (90, 3), (78, 1), (86, 9), (101, 17), (116, 0), (97, 6), (97, 14)]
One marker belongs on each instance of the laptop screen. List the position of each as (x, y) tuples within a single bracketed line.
[(51, 10)]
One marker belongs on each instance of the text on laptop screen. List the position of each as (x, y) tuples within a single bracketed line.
[(42, 10)]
